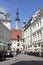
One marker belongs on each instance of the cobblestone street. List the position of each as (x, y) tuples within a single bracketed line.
[(23, 60)]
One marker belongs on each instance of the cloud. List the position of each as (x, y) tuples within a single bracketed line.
[(4, 5)]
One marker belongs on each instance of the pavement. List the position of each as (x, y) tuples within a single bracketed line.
[(22, 59)]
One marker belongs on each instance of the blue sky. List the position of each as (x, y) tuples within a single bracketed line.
[(27, 8)]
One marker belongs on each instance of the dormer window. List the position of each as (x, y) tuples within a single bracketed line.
[(18, 38)]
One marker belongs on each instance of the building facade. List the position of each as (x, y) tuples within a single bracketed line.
[(16, 39), (5, 36), (33, 33), (26, 35), (37, 28)]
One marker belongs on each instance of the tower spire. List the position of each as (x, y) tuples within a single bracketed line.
[(17, 19), (17, 15)]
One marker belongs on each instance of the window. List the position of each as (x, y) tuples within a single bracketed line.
[(24, 46), (38, 35), (9, 46), (40, 22), (14, 42), (18, 44), (39, 44), (35, 46), (23, 39), (30, 45), (18, 38)]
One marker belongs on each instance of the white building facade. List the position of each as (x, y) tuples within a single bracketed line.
[(33, 33), (16, 45), (26, 35), (37, 28)]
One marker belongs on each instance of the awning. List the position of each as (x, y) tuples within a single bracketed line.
[(1, 44)]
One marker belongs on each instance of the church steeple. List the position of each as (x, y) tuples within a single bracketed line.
[(17, 19), (17, 15)]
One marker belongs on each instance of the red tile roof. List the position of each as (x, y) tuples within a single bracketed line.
[(15, 33)]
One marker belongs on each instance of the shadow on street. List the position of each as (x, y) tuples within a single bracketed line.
[(5, 59), (29, 63)]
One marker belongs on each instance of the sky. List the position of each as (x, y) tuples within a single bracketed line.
[(26, 9)]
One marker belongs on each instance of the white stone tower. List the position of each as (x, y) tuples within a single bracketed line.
[(17, 19)]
